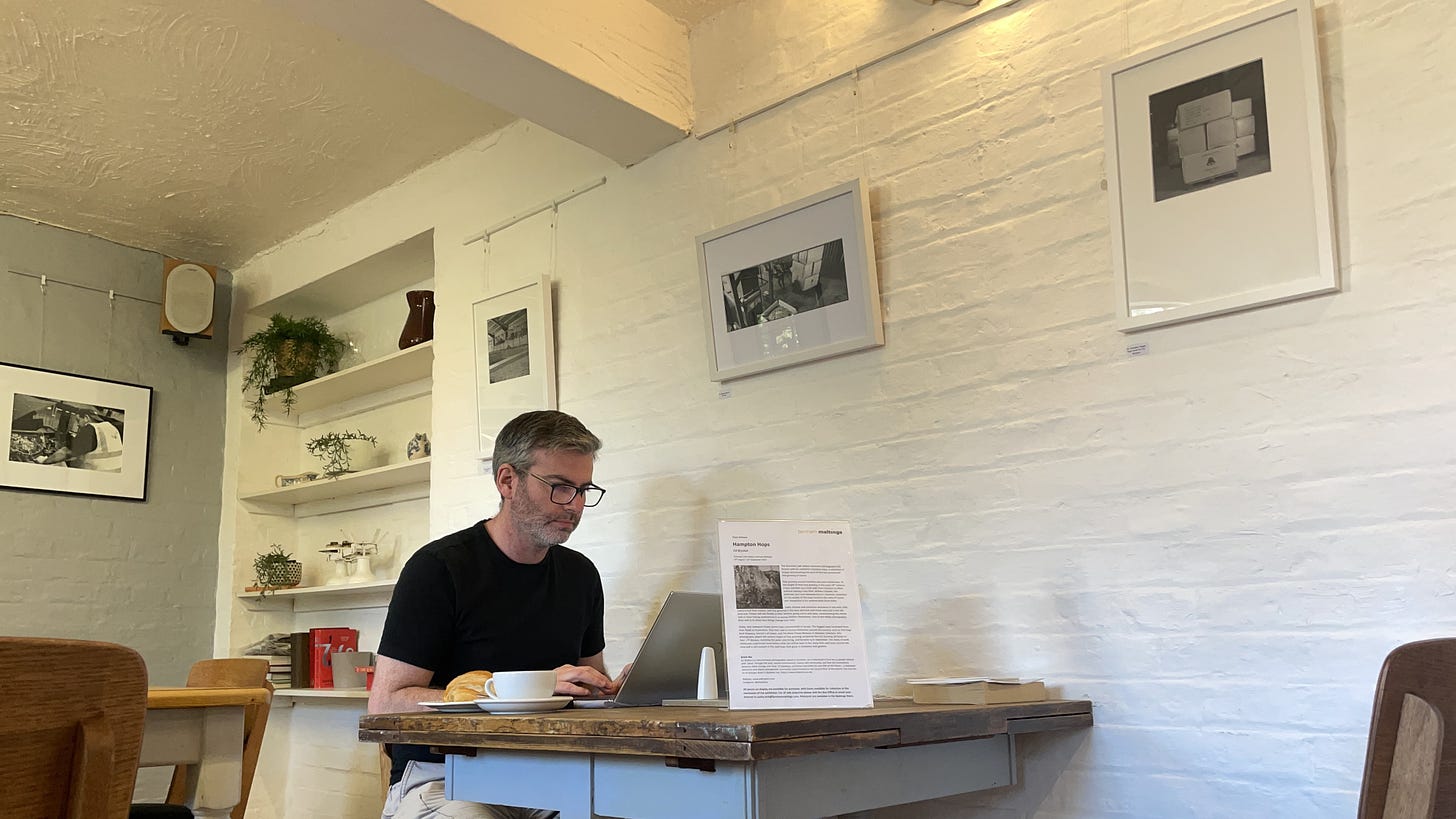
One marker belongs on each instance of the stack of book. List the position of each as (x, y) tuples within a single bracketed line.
[(976, 690), (280, 670)]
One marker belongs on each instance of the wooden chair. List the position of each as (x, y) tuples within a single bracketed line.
[(231, 672), (1410, 762), (70, 728), (386, 765)]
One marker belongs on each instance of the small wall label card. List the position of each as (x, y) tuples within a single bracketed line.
[(792, 629)]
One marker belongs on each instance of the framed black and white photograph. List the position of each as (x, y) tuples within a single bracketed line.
[(1217, 173), (515, 360), (74, 434), (792, 285)]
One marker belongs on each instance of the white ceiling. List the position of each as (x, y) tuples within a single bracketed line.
[(212, 129)]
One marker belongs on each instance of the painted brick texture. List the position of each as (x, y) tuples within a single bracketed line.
[(1216, 542), (90, 568)]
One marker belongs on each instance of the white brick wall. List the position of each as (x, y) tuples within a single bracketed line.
[(1216, 542)]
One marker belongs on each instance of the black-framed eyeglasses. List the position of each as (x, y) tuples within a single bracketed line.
[(564, 493)]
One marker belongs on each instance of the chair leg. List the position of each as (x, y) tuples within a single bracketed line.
[(177, 791)]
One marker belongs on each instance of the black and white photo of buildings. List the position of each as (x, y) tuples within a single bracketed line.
[(779, 288), (510, 346)]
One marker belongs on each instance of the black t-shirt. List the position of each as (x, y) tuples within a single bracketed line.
[(461, 605)]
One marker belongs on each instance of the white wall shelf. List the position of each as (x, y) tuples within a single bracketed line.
[(374, 594), (358, 490), (368, 279), (355, 287), (365, 386)]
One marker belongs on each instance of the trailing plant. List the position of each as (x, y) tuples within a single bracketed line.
[(275, 568), (333, 449), (286, 353)]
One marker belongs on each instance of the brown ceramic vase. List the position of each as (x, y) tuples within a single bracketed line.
[(419, 327)]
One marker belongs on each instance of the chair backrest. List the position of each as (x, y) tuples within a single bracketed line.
[(1410, 761), (70, 728), (231, 672), (228, 672)]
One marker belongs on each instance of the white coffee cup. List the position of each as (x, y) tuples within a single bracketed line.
[(521, 685)]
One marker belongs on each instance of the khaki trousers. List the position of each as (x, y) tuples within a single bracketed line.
[(420, 794)]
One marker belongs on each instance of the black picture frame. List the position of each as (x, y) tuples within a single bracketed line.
[(75, 434)]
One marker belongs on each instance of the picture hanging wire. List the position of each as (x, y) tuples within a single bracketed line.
[(110, 327), (485, 265), (524, 215), (112, 294), (981, 9), (555, 214), (40, 354), (864, 154)]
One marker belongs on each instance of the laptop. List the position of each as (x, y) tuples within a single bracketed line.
[(666, 667)]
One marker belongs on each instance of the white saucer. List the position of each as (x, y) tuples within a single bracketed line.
[(530, 706), (452, 707)]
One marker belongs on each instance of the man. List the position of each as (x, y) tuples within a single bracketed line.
[(503, 595), (96, 445)]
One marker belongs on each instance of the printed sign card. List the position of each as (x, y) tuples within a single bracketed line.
[(792, 629)]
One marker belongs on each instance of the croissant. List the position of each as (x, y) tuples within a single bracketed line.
[(467, 687)]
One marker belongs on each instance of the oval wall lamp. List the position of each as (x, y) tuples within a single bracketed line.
[(187, 295)]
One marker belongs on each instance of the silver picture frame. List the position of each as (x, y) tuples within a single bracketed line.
[(515, 357), (1218, 172), (790, 286)]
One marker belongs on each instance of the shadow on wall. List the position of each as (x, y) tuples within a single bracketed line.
[(945, 637), (970, 633), (659, 562)]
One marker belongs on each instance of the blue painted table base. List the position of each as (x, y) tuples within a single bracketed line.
[(590, 785)]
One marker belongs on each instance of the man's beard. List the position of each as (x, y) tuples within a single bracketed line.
[(536, 522)]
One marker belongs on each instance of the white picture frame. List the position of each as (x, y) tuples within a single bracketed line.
[(793, 285), (1238, 224), (75, 434), (515, 357)]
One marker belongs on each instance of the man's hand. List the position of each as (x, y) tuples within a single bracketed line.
[(583, 681)]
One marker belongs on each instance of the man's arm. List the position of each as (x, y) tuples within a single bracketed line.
[(61, 454), (399, 686)]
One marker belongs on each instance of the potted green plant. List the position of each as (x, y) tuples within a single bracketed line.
[(333, 449), (286, 353), (276, 569)]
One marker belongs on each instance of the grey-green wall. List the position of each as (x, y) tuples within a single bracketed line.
[(140, 574)]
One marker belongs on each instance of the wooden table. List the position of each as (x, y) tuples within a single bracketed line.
[(201, 728), (711, 763)]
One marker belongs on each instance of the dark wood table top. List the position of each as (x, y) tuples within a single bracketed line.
[(717, 733)]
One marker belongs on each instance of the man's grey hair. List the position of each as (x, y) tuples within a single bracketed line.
[(544, 429)]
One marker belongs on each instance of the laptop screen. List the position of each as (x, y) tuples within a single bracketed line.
[(667, 665)]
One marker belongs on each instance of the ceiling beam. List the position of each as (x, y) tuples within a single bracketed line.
[(609, 74)]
